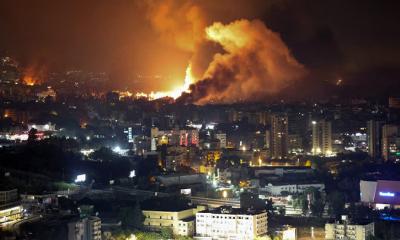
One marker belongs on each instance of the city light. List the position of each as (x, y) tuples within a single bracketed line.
[(386, 194), (224, 194), (80, 178)]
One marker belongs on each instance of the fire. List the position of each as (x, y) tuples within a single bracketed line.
[(28, 80), (34, 74), (175, 93)]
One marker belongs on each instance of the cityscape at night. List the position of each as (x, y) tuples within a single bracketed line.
[(199, 120)]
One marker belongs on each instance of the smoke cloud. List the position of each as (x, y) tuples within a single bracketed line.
[(256, 64), (180, 23)]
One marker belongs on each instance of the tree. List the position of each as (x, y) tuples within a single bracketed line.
[(282, 211), (139, 217), (304, 206), (166, 233), (104, 154), (336, 203), (270, 208), (317, 208), (131, 217), (371, 237), (32, 135)]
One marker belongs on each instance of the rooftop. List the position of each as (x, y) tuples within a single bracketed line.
[(233, 211)]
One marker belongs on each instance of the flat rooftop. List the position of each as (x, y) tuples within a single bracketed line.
[(233, 211)]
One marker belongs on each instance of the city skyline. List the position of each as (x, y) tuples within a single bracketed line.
[(349, 44)]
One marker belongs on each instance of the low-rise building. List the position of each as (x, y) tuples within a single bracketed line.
[(346, 229), (181, 179), (380, 193), (280, 188), (85, 229), (281, 170), (231, 223), (180, 220), (10, 207)]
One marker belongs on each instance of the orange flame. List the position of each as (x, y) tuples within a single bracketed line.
[(175, 93), (33, 75), (28, 80)]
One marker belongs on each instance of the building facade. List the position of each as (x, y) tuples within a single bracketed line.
[(85, 229), (390, 142), (374, 135), (181, 222), (10, 207), (279, 136), (279, 189), (380, 193), (321, 138), (346, 229), (230, 223), (222, 139)]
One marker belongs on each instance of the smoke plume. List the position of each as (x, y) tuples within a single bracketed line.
[(255, 65), (180, 23)]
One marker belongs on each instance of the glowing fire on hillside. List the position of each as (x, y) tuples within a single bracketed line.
[(33, 75), (175, 93)]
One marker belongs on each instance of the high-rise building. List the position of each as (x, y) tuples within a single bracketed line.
[(374, 138), (390, 142), (279, 136), (321, 138)]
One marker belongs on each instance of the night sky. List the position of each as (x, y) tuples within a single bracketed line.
[(357, 41)]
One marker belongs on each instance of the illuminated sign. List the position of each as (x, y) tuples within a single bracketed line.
[(386, 194), (186, 191), (80, 178)]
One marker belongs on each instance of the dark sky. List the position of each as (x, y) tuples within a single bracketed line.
[(357, 40)]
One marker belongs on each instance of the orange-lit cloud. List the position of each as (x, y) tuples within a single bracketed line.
[(180, 23), (256, 64)]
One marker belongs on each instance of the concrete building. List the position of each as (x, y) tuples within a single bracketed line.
[(374, 136), (222, 139), (279, 136), (346, 229), (380, 193), (181, 179), (10, 207), (176, 137), (321, 138), (282, 170), (181, 221), (85, 229), (231, 223), (278, 189), (390, 142)]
